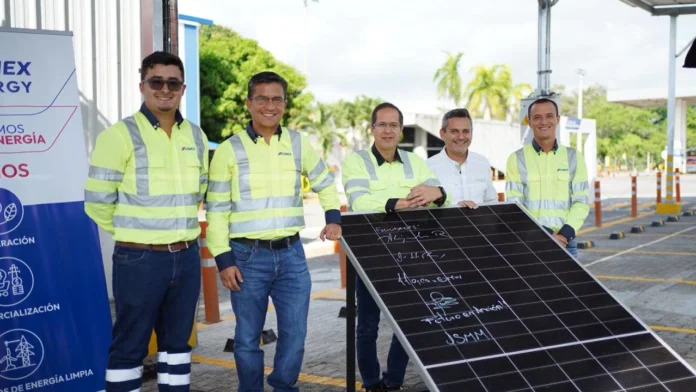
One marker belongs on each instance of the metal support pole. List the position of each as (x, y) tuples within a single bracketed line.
[(350, 327), (597, 205), (543, 48), (676, 184), (659, 188), (209, 279), (671, 104), (669, 206), (582, 73), (634, 196), (341, 256)]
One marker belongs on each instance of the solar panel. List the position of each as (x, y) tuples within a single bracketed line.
[(486, 300)]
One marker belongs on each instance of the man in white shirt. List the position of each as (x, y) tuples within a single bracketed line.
[(464, 174)]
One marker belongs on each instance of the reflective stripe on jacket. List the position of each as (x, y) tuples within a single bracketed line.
[(144, 186), (552, 187), (369, 186), (256, 188)]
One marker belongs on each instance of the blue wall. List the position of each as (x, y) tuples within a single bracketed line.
[(190, 57), (192, 68)]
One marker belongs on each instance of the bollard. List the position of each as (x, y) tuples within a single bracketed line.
[(341, 257), (676, 184), (597, 205), (634, 197), (659, 187), (209, 274)]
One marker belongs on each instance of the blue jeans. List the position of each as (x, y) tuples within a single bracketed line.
[(368, 325), (283, 275), (572, 247), (153, 289)]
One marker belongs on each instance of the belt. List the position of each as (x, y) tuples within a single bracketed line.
[(175, 247), (269, 244)]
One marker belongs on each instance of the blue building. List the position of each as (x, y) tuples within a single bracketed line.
[(189, 27)]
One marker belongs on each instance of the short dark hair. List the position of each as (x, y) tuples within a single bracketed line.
[(456, 113), (160, 58), (263, 78), (385, 105), (541, 100)]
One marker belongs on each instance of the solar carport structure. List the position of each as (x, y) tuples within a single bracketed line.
[(671, 8)]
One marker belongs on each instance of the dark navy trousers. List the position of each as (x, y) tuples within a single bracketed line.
[(153, 289)]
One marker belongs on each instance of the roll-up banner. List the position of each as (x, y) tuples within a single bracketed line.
[(55, 323)]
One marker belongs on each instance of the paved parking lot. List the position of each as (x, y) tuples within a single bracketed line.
[(653, 273)]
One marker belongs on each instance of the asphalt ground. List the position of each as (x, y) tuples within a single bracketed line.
[(653, 273)]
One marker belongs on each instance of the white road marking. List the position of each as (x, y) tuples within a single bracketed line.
[(603, 259)]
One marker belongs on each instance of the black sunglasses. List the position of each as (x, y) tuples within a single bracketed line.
[(158, 84)]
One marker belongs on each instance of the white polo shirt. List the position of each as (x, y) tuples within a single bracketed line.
[(471, 181)]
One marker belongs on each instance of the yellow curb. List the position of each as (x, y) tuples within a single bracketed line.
[(305, 378), (673, 329), (642, 279), (641, 252)]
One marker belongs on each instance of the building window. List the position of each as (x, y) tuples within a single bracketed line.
[(435, 145)]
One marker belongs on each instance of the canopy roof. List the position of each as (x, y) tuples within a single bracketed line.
[(665, 7)]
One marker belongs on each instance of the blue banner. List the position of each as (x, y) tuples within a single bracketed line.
[(55, 323)]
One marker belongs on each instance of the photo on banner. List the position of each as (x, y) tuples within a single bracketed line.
[(55, 323)]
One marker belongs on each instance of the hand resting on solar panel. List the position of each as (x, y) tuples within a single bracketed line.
[(422, 195)]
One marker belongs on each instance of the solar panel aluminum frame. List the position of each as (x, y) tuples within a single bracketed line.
[(422, 370)]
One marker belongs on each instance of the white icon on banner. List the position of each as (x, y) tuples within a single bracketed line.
[(8, 213), (21, 353), (16, 281), (11, 211)]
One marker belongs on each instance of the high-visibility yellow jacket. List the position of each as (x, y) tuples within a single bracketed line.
[(255, 189), (372, 184), (552, 186), (144, 186)]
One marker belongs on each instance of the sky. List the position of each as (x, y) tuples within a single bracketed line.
[(392, 48)]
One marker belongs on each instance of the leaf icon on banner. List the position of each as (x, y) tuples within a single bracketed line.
[(10, 212)]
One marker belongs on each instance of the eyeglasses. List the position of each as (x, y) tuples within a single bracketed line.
[(263, 100), (381, 126), (158, 84)]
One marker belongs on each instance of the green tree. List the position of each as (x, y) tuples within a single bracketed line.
[(449, 83), (227, 62), (492, 93), (355, 115), (321, 124)]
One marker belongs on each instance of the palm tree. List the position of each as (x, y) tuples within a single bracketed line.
[(356, 116), (491, 92), (323, 126), (449, 83), (512, 93)]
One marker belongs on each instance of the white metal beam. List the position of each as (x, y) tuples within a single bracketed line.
[(671, 106)]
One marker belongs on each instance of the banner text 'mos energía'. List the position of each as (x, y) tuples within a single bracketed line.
[(15, 134), (12, 73)]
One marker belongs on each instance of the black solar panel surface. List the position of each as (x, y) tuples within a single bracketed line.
[(486, 300)]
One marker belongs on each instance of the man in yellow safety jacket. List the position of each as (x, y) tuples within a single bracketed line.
[(255, 212), (549, 180), (385, 179), (147, 176)]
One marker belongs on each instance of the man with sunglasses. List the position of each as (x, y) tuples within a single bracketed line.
[(255, 213), (385, 179), (147, 176)]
